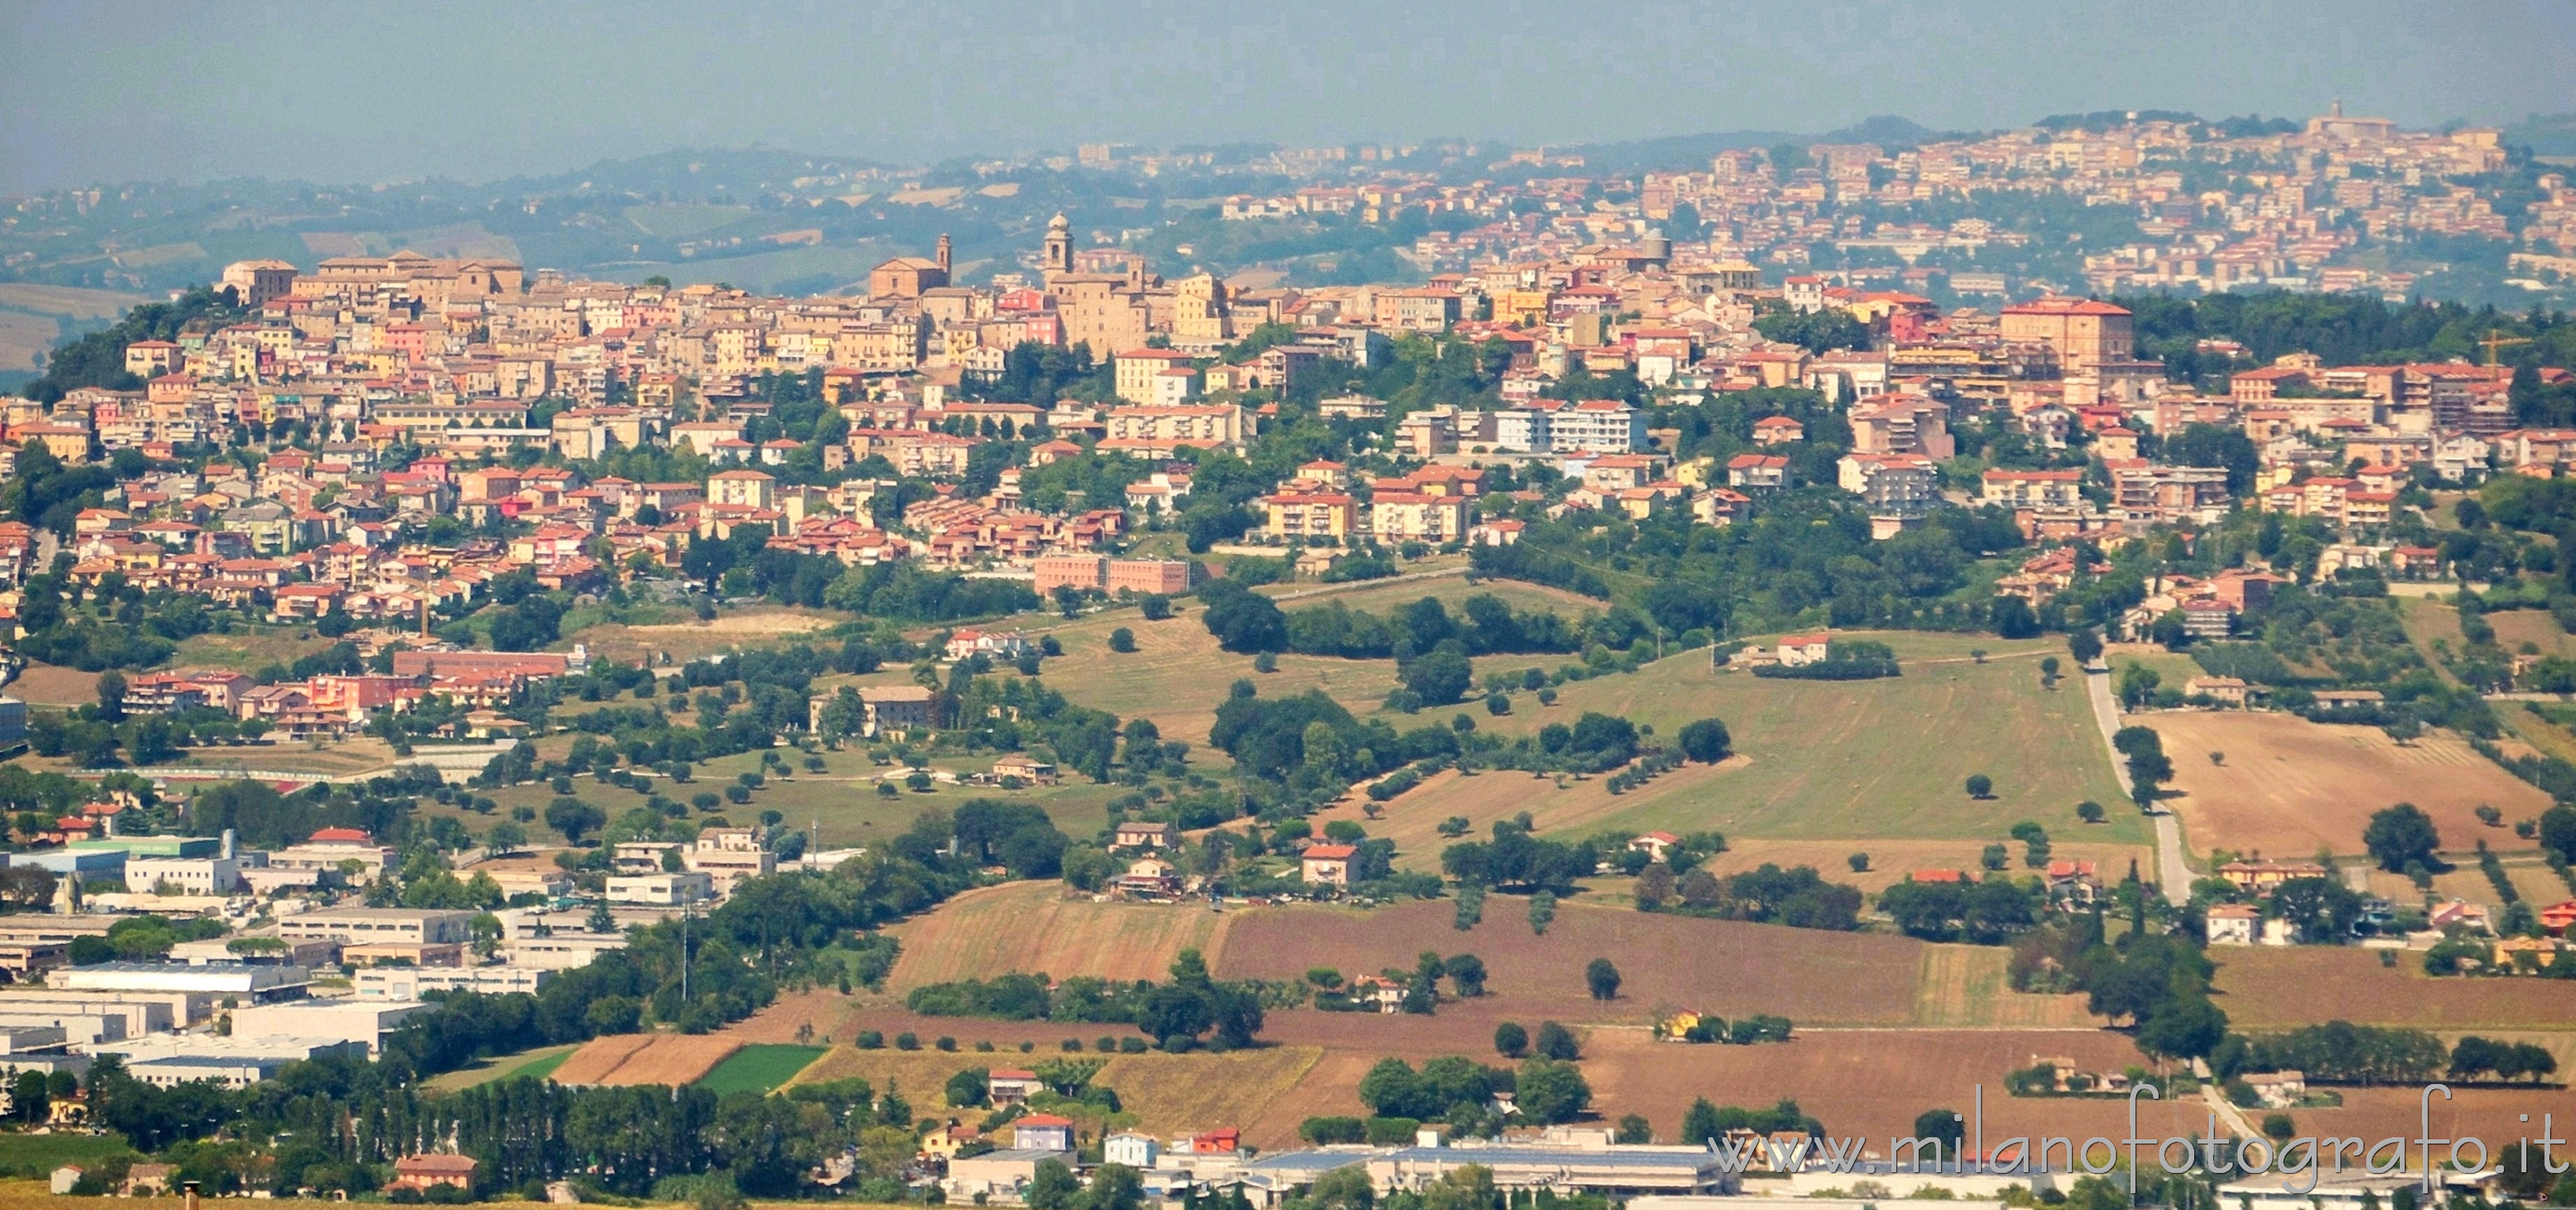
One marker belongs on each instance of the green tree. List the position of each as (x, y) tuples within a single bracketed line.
[(1557, 1042), (1946, 1125), (1510, 1040), (1980, 786), (1542, 912), (111, 696), (1053, 1187), (2400, 836), (1548, 1091), (1122, 640), (2183, 1027), (1706, 741), (2558, 831), (1439, 677), (1602, 978)]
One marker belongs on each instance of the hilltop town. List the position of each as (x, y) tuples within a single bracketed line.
[(1112, 724)]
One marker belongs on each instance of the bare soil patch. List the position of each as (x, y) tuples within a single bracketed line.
[(54, 685)]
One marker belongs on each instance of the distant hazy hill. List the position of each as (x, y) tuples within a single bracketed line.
[(1692, 151), (2544, 134)]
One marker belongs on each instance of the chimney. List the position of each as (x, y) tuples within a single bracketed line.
[(228, 851), (943, 252), (189, 1193)]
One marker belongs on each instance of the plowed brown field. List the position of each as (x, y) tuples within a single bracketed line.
[(1667, 962)]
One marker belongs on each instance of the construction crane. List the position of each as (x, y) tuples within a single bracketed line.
[(2496, 339)]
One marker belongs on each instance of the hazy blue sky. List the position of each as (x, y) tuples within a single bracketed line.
[(351, 90)]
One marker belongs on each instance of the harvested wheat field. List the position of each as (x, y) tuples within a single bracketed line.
[(1167, 1093), (53, 685), (672, 1059), (1669, 962), (920, 1075), (1172, 1094), (2491, 1114), (1868, 1082), (1565, 808), (820, 1016), (2277, 989), (2289, 787), (684, 641), (1330, 1087), (1968, 986), (1031, 927), (1890, 861), (1872, 1082)]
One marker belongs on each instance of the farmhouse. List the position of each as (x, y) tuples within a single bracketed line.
[(1145, 834), (1379, 992), (425, 1172), (2224, 690), (945, 1142), (1026, 768), (2462, 914), (1002, 645), (1800, 650), (1150, 878), (1011, 1086), (1042, 1132), (2557, 917), (1138, 1151), (2278, 1089), (1327, 864), (2233, 924), (1654, 844), (2261, 876), (895, 708)]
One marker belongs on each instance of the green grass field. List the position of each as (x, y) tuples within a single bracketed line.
[(1864, 759), (535, 1064), (35, 1155), (759, 1068), (1177, 676), (545, 1066), (248, 649), (843, 800)]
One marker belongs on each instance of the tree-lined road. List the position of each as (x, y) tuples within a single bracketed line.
[(2173, 873)]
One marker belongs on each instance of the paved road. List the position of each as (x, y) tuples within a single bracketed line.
[(2172, 872), (2228, 1115)]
